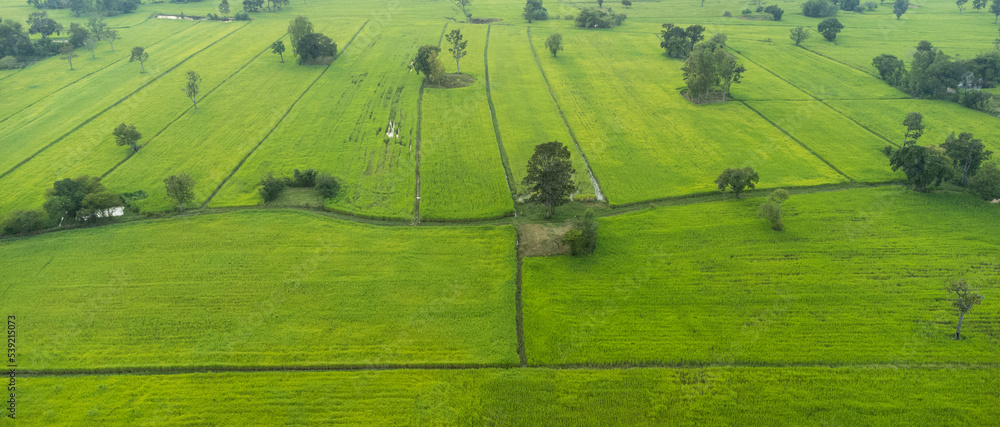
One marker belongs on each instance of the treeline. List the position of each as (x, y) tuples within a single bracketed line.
[(932, 74), (80, 7), (16, 46), (962, 159)]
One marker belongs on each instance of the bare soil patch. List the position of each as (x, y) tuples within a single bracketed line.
[(542, 239)]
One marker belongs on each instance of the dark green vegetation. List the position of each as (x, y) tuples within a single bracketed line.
[(370, 238)]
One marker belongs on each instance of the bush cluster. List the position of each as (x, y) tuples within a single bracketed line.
[(932, 74), (326, 185), (599, 18), (819, 8)]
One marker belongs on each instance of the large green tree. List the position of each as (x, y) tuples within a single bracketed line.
[(316, 48), (799, 35), (533, 11), (986, 183), (554, 43), (297, 29), (65, 199), (139, 55), (914, 123), (709, 66), (900, 7), (967, 152), (127, 136), (550, 176), (180, 188), (678, 42), (423, 63), (279, 48), (40, 23), (829, 28), (737, 180), (923, 165)]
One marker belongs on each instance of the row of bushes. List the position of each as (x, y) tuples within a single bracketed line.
[(272, 187)]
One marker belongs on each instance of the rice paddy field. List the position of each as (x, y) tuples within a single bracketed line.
[(833, 396), (105, 306), (857, 278), (428, 292), (462, 175)]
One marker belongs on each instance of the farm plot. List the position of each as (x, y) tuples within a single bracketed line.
[(711, 396), (53, 75), (847, 146), (253, 288), (196, 145), (461, 172), (941, 118), (54, 116), (91, 149), (525, 113), (644, 140), (819, 76), (367, 136), (857, 277)]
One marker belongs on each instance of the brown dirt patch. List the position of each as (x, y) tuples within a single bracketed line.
[(542, 239)]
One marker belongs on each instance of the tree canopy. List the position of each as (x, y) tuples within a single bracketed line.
[(737, 180), (550, 176)]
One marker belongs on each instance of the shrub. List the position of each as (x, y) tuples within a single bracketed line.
[(599, 18), (9, 63), (582, 239), (774, 11), (818, 9), (727, 14), (303, 179), (871, 6), (849, 5), (21, 222), (759, 9), (327, 186), (271, 188), (986, 182), (747, 12), (241, 16)]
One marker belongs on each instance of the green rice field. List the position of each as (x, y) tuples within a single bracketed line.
[(428, 289)]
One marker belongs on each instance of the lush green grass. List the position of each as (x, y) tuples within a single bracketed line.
[(741, 396), (644, 140), (53, 116), (525, 113), (196, 144), (162, 110), (364, 91), (941, 118), (261, 288), (461, 174), (858, 276), (849, 147)]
